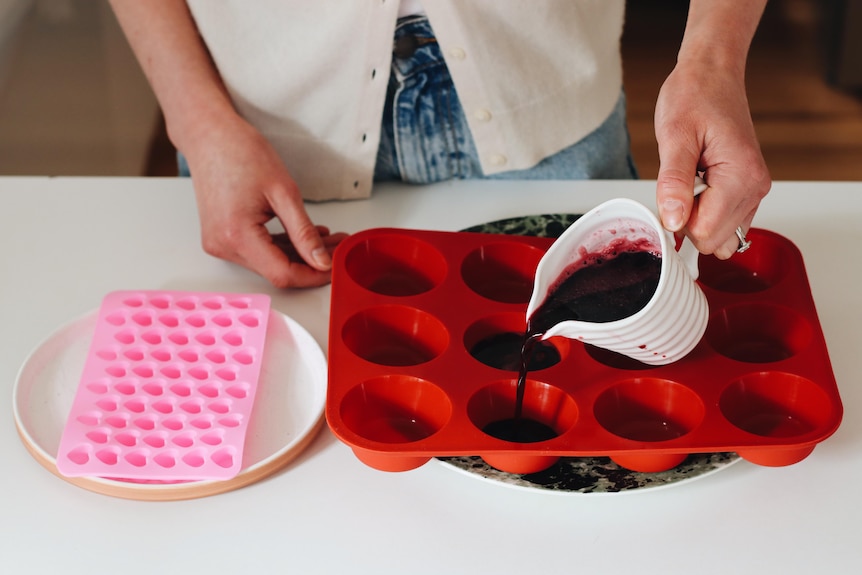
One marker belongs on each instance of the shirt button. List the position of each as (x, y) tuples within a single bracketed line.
[(482, 115), (457, 53), (498, 160)]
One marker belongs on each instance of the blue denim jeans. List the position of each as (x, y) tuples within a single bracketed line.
[(425, 137)]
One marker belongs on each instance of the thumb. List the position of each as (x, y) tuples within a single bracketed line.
[(307, 240), (304, 235), (675, 187)]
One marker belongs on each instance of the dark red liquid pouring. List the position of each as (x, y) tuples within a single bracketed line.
[(601, 288)]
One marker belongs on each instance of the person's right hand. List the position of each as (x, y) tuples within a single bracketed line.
[(241, 184)]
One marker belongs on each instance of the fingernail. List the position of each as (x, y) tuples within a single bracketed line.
[(671, 214), (321, 258)]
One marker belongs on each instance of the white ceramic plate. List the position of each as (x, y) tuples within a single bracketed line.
[(287, 414)]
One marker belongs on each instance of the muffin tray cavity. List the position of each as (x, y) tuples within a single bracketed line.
[(424, 346), (167, 388)]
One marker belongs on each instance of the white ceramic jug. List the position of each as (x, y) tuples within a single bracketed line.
[(672, 322)]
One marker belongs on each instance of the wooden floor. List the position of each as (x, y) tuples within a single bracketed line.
[(808, 129)]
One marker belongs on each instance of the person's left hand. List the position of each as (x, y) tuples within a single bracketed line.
[(703, 124)]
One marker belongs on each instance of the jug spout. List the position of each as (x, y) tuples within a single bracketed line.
[(570, 329)]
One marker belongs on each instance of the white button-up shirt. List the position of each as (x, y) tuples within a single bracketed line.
[(533, 77)]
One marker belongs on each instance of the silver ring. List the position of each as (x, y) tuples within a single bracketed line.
[(744, 244)]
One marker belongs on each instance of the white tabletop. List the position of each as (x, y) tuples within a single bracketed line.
[(65, 242)]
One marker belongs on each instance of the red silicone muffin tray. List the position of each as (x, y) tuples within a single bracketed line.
[(410, 306)]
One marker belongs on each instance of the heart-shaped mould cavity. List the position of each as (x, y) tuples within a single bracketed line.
[(169, 320)]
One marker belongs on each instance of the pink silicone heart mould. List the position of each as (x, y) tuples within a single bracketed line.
[(167, 388)]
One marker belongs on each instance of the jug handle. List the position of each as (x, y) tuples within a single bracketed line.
[(687, 252), (699, 185), (689, 256)]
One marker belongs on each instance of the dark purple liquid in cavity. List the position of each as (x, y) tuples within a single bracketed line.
[(603, 289), (520, 430), (504, 351)]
